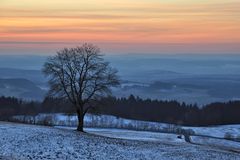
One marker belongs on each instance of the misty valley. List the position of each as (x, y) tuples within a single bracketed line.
[(161, 100), (190, 79)]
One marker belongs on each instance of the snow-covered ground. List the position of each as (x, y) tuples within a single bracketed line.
[(105, 121), (217, 131), (162, 137), (131, 134), (114, 127), (19, 141), (218, 143)]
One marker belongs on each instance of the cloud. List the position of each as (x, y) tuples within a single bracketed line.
[(122, 22)]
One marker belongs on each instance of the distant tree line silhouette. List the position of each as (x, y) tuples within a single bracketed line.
[(133, 108)]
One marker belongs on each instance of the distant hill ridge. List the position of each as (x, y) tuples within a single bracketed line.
[(35, 76), (20, 88)]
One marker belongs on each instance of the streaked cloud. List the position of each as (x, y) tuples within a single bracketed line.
[(118, 25)]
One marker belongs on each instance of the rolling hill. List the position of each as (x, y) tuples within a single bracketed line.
[(21, 88)]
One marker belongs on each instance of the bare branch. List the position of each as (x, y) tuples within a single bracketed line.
[(81, 75)]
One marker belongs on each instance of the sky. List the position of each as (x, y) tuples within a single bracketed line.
[(126, 26)]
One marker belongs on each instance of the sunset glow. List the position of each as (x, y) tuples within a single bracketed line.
[(126, 26)]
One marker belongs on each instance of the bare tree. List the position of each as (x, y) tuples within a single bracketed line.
[(81, 75)]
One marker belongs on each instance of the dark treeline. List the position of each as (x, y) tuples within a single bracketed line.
[(173, 111), (133, 108)]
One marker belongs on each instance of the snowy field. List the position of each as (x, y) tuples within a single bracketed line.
[(217, 131), (131, 134), (147, 136), (106, 121), (20, 141)]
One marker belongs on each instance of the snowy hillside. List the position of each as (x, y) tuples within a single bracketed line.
[(20, 141), (106, 121)]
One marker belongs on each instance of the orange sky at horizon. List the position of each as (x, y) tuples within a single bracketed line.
[(127, 26)]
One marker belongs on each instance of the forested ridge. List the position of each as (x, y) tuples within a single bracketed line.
[(133, 108)]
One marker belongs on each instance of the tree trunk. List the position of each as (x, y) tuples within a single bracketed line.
[(80, 121)]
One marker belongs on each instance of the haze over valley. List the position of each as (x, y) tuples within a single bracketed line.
[(198, 79)]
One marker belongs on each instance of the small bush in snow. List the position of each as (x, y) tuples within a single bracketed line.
[(187, 138), (47, 121), (188, 132), (179, 136)]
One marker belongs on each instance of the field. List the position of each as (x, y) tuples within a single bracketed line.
[(21, 141), (106, 121)]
